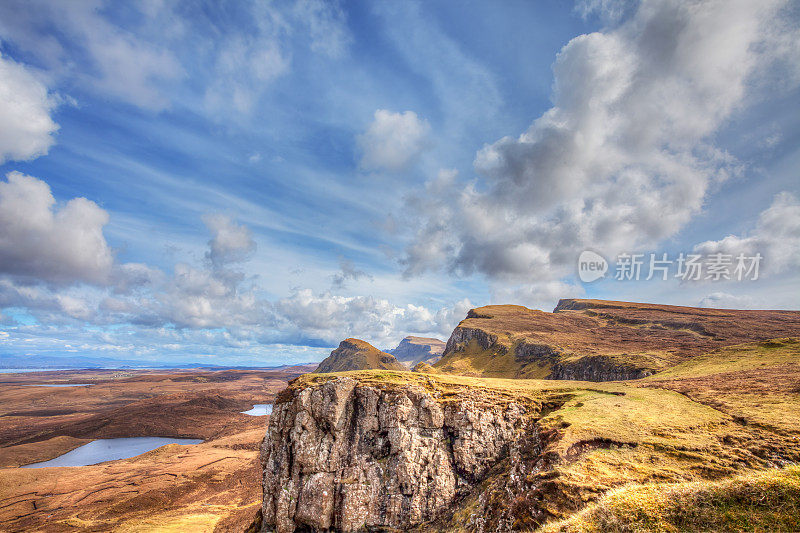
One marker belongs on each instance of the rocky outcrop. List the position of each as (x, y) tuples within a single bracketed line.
[(461, 336), (355, 354), (348, 456), (413, 350), (530, 352), (597, 368)]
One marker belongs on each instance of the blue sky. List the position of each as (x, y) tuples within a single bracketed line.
[(264, 179)]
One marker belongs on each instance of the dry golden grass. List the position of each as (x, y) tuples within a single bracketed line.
[(767, 501)]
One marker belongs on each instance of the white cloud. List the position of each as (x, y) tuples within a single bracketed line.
[(39, 240), (724, 300), (621, 161), (392, 140), (543, 295), (25, 106), (347, 272), (230, 242), (248, 62), (331, 318), (245, 66), (325, 24), (776, 237), (121, 64), (56, 264)]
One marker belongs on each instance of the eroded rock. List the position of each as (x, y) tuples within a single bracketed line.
[(347, 456)]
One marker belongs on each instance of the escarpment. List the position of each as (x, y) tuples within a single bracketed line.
[(596, 340), (349, 456), (414, 350)]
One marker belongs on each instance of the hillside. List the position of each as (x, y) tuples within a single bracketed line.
[(599, 340), (355, 354), (712, 439), (414, 350)]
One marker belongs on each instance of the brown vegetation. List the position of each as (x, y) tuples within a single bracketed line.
[(211, 486), (600, 340)]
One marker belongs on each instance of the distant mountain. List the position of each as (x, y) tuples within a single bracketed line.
[(45, 361), (413, 350), (355, 354)]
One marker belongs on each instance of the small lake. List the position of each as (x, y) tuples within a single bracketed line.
[(260, 409), (110, 450)]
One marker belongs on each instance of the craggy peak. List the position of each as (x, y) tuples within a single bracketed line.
[(355, 354)]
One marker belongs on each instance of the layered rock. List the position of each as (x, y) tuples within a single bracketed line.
[(414, 350), (348, 456), (599, 340), (355, 354), (597, 368)]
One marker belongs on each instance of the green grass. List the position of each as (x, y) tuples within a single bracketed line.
[(738, 358), (767, 501)]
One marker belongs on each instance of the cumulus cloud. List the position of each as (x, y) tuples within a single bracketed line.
[(230, 242), (25, 107), (776, 237), (624, 157), (43, 241), (331, 318), (56, 264), (392, 140)]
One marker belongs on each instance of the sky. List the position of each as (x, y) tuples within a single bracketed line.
[(250, 182)]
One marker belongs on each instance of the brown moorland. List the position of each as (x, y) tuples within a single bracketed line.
[(599, 340), (206, 487)]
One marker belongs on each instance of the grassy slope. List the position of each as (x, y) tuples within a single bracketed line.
[(763, 501), (625, 335), (652, 435), (758, 383)]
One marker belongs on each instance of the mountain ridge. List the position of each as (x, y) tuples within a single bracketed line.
[(599, 340)]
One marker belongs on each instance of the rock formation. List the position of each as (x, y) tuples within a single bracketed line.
[(413, 350), (355, 354), (350, 457), (598, 340)]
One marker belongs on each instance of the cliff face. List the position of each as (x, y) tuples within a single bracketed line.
[(348, 456), (355, 354), (599, 340), (414, 350)]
